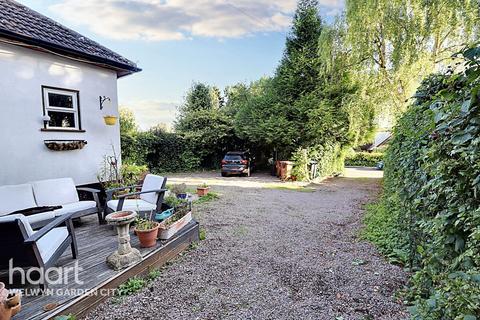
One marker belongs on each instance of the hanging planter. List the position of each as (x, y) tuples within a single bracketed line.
[(65, 145), (110, 120)]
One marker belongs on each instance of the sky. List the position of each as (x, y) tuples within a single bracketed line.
[(179, 42)]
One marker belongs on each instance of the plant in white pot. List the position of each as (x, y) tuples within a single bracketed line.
[(181, 217)]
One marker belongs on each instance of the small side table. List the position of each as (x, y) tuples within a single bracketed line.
[(125, 255)]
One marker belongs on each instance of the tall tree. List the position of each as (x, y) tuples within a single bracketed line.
[(128, 123), (298, 70), (199, 97), (398, 42), (203, 125)]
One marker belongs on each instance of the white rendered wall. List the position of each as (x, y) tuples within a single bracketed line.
[(23, 155)]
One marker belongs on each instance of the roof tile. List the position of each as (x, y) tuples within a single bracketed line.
[(20, 20)]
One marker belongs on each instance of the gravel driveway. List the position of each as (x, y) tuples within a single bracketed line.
[(274, 254)]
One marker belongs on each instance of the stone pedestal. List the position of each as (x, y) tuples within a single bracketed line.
[(125, 255)]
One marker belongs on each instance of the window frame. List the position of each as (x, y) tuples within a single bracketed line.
[(75, 110)]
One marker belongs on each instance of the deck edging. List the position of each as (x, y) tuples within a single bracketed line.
[(79, 306)]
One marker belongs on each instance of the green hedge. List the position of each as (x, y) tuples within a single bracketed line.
[(161, 151), (429, 215), (364, 159)]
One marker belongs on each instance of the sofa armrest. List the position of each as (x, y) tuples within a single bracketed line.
[(140, 192), (91, 190), (121, 199), (94, 193), (44, 230), (112, 190)]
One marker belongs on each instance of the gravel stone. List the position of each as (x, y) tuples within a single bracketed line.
[(274, 254)]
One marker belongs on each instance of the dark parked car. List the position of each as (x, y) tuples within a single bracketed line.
[(237, 162)]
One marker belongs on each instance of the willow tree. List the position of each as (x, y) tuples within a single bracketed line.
[(398, 42)]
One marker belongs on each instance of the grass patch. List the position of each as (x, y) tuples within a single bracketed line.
[(290, 188), (65, 317), (207, 198), (382, 229), (135, 284), (240, 231), (202, 234), (132, 286)]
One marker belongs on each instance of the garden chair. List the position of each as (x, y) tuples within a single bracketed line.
[(150, 197), (40, 249)]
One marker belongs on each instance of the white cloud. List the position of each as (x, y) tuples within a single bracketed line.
[(157, 20), (149, 113)]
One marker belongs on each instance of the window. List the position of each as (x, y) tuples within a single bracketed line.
[(233, 157), (62, 106)]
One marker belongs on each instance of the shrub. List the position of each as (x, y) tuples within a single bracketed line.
[(179, 188), (300, 169), (364, 159), (330, 158), (382, 229), (132, 286), (431, 195), (131, 173)]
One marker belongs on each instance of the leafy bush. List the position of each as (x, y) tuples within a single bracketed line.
[(132, 286), (131, 174), (364, 159), (313, 102), (381, 228), (159, 150), (179, 188), (207, 198), (300, 169), (330, 158), (65, 317), (173, 201), (431, 198)]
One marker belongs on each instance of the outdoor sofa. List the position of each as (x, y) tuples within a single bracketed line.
[(56, 197)]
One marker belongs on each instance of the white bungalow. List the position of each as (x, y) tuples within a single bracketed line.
[(56, 86)]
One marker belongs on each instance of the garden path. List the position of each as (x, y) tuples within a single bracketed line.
[(275, 253)]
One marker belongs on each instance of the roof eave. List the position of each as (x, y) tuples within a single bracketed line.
[(121, 69)]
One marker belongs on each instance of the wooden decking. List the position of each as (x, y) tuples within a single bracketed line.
[(95, 243)]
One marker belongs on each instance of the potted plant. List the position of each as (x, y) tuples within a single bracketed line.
[(180, 190), (171, 202), (147, 231), (110, 120), (181, 217), (202, 190)]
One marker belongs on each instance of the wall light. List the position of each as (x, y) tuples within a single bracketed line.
[(46, 119)]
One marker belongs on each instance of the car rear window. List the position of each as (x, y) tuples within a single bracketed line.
[(233, 157)]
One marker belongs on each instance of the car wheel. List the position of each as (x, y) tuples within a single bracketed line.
[(224, 174)]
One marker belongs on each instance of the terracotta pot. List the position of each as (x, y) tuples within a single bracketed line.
[(202, 191), (10, 304), (4, 311), (148, 238), (110, 120), (14, 303)]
